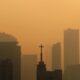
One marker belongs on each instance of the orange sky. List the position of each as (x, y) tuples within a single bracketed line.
[(39, 21)]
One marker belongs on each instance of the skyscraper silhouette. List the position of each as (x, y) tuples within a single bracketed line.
[(10, 51), (71, 47), (41, 67), (56, 56)]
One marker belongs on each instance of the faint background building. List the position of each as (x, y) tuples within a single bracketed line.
[(56, 56), (56, 61), (29, 67), (10, 58), (71, 47)]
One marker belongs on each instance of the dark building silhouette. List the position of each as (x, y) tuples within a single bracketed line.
[(28, 67), (10, 56), (57, 75), (6, 70), (72, 73), (50, 75), (71, 47), (41, 67), (56, 56), (42, 72)]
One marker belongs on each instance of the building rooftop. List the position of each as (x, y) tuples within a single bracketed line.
[(7, 38)]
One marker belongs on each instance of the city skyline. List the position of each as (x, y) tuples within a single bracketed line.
[(46, 48), (14, 65), (39, 21), (40, 39)]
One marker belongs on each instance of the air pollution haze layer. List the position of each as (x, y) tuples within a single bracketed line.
[(34, 22)]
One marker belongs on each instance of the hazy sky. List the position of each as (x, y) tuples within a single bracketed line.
[(39, 21)]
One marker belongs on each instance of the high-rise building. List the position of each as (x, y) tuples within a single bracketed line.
[(56, 56), (10, 58), (71, 47), (28, 67)]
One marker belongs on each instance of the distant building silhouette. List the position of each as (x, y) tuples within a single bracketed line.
[(72, 73), (28, 67), (41, 67), (10, 57), (56, 56), (71, 47)]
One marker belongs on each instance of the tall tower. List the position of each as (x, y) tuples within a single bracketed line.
[(71, 47), (41, 55), (41, 67), (10, 58), (56, 56)]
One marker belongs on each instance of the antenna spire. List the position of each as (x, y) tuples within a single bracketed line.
[(41, 54)]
